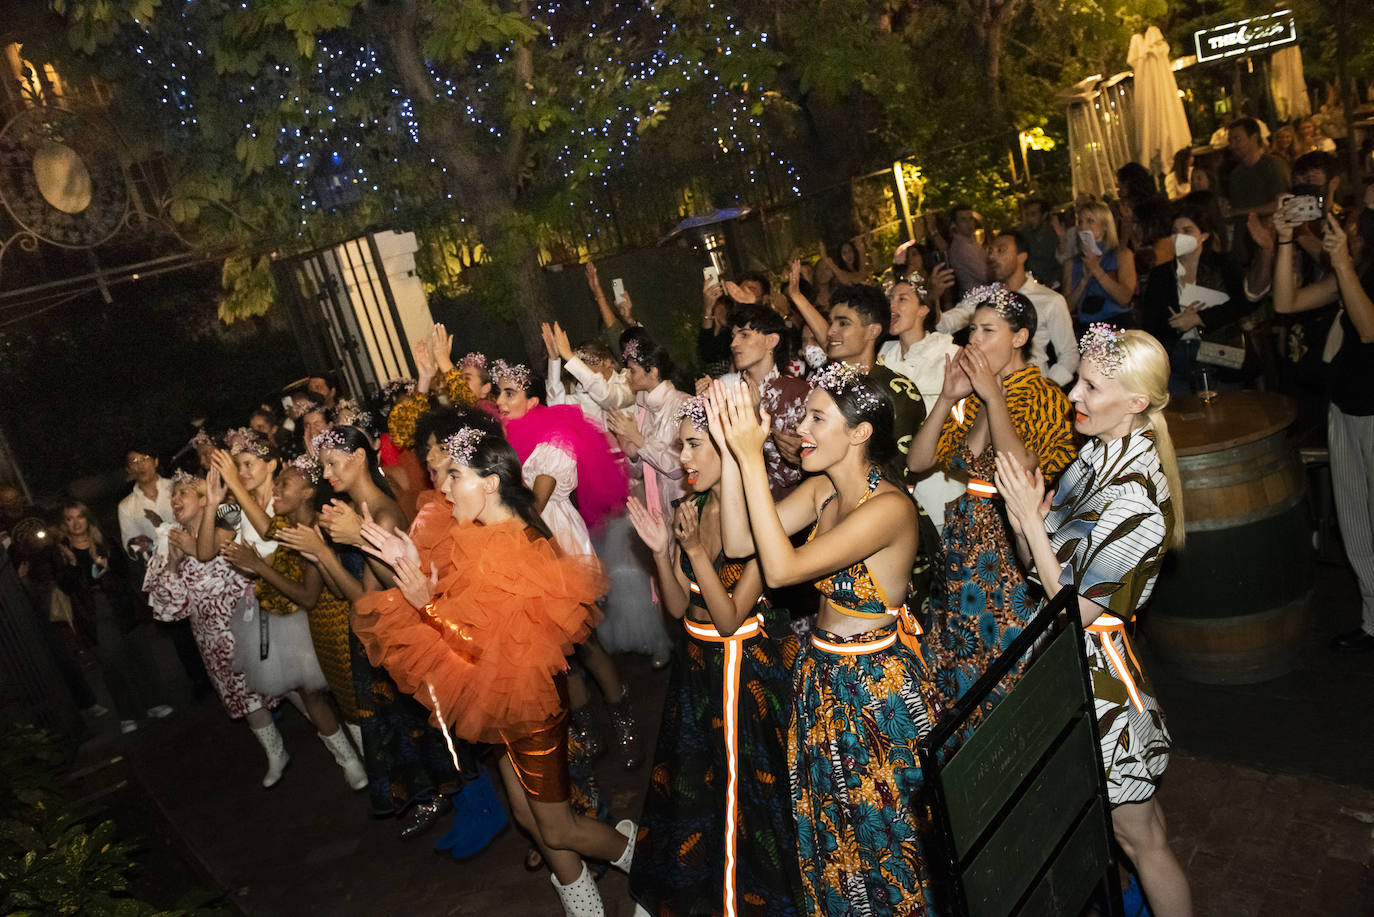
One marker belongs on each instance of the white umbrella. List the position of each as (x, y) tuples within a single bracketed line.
[(1287, 85), (1161, 124)]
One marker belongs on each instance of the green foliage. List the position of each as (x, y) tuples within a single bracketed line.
[(249, 289), (55, 859)]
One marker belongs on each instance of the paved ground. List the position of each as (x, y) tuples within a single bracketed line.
[(1270, 799)]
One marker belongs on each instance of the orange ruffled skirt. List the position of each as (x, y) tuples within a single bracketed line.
[(484, 655)]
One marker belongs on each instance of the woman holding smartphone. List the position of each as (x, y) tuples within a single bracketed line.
[(1100, 280)]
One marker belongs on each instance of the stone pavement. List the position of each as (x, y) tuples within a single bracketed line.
[(1264, 799)]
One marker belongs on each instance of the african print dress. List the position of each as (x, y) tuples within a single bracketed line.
[(1108, 523), (979, 599), (861, 705), (691, 855)]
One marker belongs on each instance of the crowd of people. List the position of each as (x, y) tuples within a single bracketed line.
[(826, 539)]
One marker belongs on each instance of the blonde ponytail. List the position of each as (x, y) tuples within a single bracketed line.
[(1145, 370)]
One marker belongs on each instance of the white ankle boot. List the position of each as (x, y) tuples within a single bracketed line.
[(277, 758), (346, 757), (581, 897), (356, 733), (630, 830)]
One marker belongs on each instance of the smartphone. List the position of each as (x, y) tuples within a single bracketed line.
[(937, 258), (1088, 242), (618, 289), (711, 275)]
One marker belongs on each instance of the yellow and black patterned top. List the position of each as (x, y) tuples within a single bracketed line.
[(1039, 412), (404, 414)]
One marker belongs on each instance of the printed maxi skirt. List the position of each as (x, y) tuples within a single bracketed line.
[(686, 853), (861, 706)]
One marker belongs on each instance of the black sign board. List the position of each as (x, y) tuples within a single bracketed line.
[(1260, 33)]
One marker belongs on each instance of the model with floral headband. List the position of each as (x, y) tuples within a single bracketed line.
[(992, 403), (716, 834), (1104, 531), (861, 697), (482, 641)]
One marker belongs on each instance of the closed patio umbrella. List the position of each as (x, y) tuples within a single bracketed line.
[(1161, 124)]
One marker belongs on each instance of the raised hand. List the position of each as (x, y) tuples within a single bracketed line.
[(744, 426), (425, 366), (794, 276), (416, 587), (593, 280), (738, 293), (561, 345), (1283, 226), (215, 490), (223, 463), (550, 348), (441, 344), (940, 280), (1334, 241), (649, 524)]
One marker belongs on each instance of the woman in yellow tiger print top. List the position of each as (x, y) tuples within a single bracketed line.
[(992, 402)]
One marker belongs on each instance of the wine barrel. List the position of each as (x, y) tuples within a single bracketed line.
[(1234, 605)]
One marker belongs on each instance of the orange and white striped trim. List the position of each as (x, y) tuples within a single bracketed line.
[(734, 658), (854, 649), (1104, 626), (981, 488)]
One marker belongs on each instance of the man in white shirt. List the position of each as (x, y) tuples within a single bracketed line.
[(148, 505), (1054, 327)]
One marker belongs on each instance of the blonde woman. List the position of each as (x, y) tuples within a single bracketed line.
[(1100, 280), (1104, 532)]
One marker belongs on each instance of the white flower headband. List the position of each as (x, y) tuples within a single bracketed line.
[(1105, 345), (517, 373), (839, 378), (462, 446)]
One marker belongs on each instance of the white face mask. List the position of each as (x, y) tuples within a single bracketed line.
[(1184, 244)]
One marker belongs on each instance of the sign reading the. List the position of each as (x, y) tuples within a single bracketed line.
[(1246, 36)]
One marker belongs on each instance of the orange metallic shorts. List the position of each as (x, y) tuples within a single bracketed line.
[(540, 758)]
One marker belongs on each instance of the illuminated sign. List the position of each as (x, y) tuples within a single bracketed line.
[(1245, 37)]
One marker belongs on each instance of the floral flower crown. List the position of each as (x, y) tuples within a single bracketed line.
[(201, 439), (1105, 345), (181, 476), (631, 350), (693, 409), (308, 467), (349, 413), (246, 439), (518, 373), (839, 378), (914, 278), (1006, 302), (327, 440), (477, 361), (396, 389), (462, 446), (299, 409)]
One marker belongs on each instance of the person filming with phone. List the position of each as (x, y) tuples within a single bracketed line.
[(1349, 353)]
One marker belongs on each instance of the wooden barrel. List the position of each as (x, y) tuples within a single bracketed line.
[(1233, 606)]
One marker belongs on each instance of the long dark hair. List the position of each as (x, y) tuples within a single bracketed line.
[(354, 438), (494, 456)]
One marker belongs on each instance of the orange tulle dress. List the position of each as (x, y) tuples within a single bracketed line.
[(487, 654)]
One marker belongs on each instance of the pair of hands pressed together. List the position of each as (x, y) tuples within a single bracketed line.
[(739, 428), (556, 343), (433, 356), (969, 372)]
